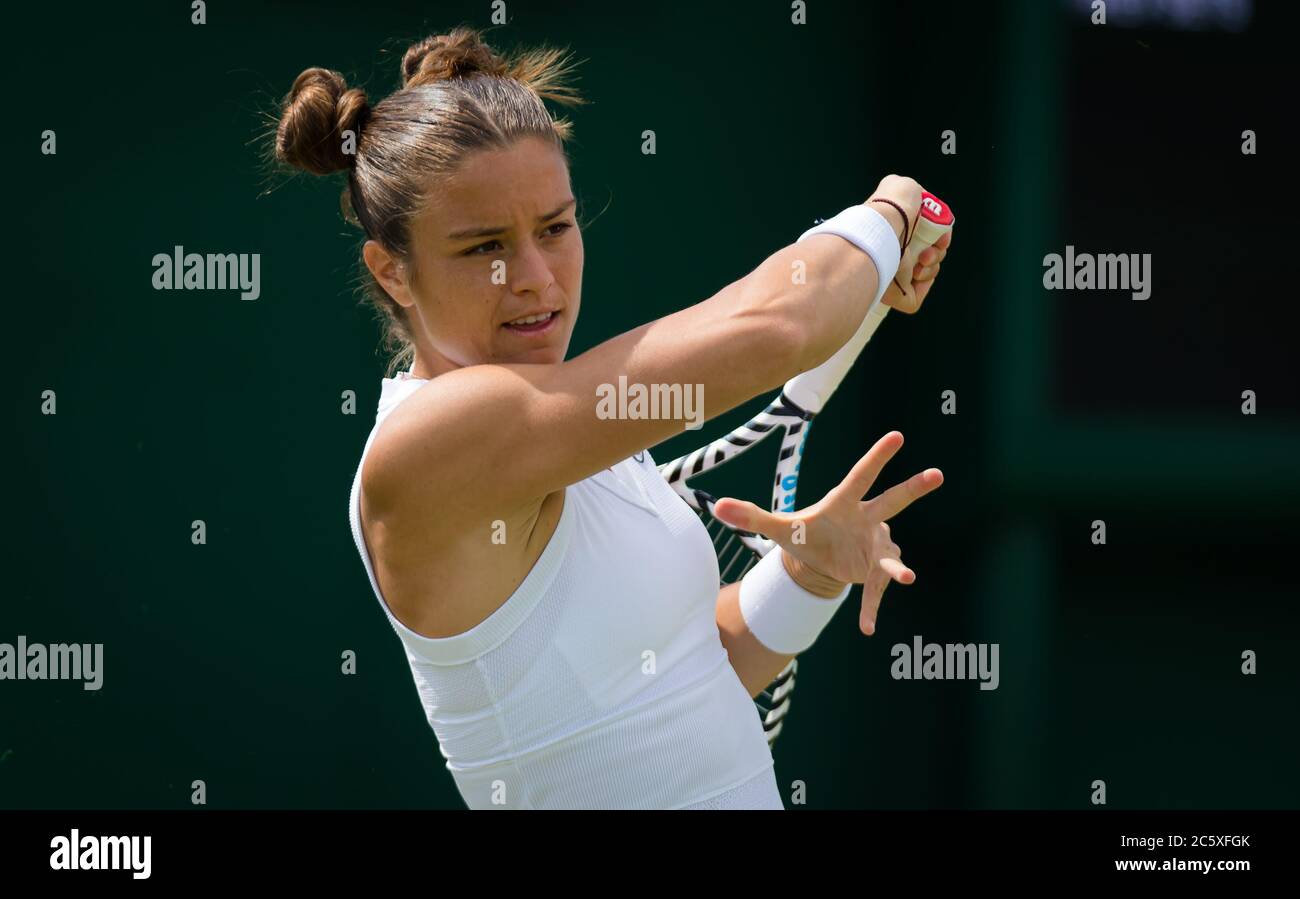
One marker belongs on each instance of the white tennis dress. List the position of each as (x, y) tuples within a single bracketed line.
[(602, 681)]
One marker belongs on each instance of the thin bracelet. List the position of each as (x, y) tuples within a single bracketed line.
[(907, 224), (904, 240)]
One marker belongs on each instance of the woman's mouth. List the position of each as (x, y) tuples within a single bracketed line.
[(533, 324)]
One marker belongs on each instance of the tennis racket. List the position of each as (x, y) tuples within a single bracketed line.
[(791, 415)]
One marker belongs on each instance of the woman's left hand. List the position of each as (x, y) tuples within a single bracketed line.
[(843, 539)]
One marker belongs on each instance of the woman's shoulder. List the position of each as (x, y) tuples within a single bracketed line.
[(433, 430)]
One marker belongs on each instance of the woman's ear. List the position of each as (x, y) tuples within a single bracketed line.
[(389, 271)]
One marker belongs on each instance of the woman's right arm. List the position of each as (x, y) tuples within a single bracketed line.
[(486, 439)]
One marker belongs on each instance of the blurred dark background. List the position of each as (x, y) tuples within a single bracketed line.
[(1119, 662)]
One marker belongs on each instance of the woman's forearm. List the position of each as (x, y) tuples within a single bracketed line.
[(755, 664), (818, 289)]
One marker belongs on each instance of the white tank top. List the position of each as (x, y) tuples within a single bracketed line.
[(602, 681)]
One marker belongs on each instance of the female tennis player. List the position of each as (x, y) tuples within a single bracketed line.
[(557, 601)]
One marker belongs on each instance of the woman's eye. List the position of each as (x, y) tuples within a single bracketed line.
[(492, 246)]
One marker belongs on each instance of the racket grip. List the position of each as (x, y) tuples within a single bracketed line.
[(811, 389)]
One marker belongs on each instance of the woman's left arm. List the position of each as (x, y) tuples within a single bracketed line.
[(755, 664), (841, 539)]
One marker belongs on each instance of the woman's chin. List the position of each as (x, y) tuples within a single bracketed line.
[(548, 355), (550, 348)]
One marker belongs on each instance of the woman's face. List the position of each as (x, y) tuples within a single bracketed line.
[(498, 245)]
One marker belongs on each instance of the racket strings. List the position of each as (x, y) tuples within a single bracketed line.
[(734, 557), (734, 561), (774, 703), (738, 550)]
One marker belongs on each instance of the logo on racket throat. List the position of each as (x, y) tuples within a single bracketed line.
[(788, 481), (682, 402)]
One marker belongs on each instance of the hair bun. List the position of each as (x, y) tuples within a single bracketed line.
[(458, 54), (318, 109)]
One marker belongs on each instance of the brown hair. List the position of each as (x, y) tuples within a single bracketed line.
[(457, 96)]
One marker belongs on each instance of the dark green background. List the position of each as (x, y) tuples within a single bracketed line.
[(1118, 663)]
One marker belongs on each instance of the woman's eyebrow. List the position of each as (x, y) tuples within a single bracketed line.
[(488, 232)]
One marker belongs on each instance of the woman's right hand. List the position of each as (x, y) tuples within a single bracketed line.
[(922, 278), (904, 191)]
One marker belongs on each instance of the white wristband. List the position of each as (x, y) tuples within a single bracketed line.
[(870, 232), (784, 617)]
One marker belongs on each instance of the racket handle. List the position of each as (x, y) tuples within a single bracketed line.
[(811, 389)]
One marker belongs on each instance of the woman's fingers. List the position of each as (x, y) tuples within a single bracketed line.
[(867, 619), (897, 571), (739, 514), (923, 273), (921, 289), (929, 257), (748, 517), (900, 496), (863, 474), (936, 251), (918, 289), (873, 592)]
